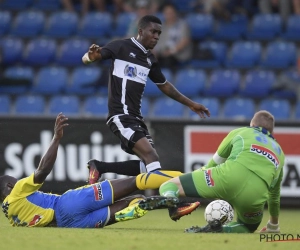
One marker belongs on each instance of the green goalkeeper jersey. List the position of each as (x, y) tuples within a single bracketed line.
[(256, 149)]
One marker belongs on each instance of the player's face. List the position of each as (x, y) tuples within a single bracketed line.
[(150, 35)]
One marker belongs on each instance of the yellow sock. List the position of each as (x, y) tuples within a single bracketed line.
[(153, 180)]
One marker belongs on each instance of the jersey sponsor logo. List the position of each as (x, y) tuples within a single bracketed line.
[(131, 54), (253, 214), (208, 178), (267, 153), (130, 71), (98, 192), (35, 220)]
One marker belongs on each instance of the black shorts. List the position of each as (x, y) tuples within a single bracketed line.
[(129, 130)]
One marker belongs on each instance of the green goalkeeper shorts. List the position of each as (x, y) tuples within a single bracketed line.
[(244, 190)]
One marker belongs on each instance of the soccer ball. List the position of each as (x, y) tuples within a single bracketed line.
[(219, 210)]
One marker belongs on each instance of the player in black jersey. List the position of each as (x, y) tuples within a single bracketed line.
[(132, 63)]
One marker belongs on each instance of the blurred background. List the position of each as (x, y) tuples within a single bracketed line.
[(234, 56)]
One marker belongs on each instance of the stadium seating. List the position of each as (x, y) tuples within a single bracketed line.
[(280, 55), (5, 21), (281, 109), (190, 82), (151, 90), (231, 30), (244, 55), (51, 80), (218, 51), (122, 23), (69, 105), (213, 104), (15, 5), (223, 83), (29, 105), (95, 106), (265, 27), (95, 25), (47, 5), (12, 50), (201, 25), (258, 84), (17, 80), (5, 103), (61, 24), (40, 52), (71, 51), (28, 24), (292, 30), (297, 110), (83, 80), (239, 108), (167, 107)]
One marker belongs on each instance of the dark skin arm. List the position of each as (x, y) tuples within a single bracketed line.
[(48, 160)]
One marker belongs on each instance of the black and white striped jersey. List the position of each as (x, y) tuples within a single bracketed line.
[(131, 65)]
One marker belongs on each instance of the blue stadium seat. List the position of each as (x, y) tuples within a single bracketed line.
[(12, 50), (61, 24), (167, 107), (30, 105), (47, 5), (15, 5), (233, 29), (95, 25), (258, 84), (4, 104), (28, 24), (213, 104), (292, 29), (297, 110), (219, 51), (69, 105), (280, 55), (190, 82), (5, 22), (281, 109), (122, 22), (201, 25), (151, 90), (51, 80), (244, 54), (83, 80), (239, 108), (265, 27), (223, 83), (146, 107), (71, 51), (183, 6), (24, 76), (95, 106), (40, 52)]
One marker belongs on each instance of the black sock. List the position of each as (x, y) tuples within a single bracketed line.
[(131, 168)]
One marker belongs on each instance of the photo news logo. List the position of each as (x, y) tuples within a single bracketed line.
[(279, 237)]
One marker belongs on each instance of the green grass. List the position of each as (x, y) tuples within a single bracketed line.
[(154, 231)]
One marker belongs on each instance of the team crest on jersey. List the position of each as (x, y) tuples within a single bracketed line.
[(149, 62), (35, 220), (208, 178), (98, 192), (130, 71), (267, 153)]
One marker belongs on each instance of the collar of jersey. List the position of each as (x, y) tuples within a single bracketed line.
[(264, 131), (139, 45)]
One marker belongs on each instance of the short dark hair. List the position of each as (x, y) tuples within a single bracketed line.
[(146, 20)]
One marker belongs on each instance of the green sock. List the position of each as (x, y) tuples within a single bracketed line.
[(169, 189), (235, 227)]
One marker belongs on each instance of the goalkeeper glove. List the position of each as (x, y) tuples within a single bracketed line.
[(270, 228)]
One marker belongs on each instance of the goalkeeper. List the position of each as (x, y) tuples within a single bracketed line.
[(246, 171)]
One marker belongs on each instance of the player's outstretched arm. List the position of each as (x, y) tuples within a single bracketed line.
[(169, 90), (48, 160), (92, 55)]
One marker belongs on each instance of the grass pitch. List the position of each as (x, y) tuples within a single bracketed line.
[(154, 231)]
